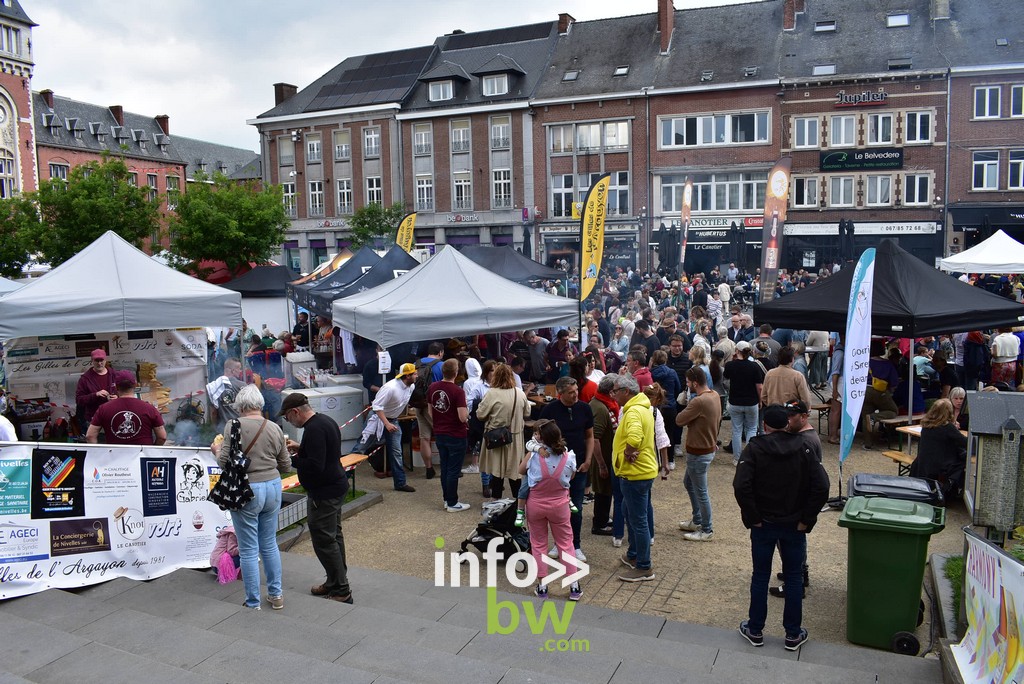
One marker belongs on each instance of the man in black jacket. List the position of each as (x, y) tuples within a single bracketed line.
[(317, 461), (780, 486)]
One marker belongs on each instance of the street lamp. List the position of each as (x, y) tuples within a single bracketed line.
[(644, 226)]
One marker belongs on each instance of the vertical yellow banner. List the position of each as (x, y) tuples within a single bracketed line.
[(406, 231), (592, 234)]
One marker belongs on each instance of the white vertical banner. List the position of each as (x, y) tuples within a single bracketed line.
[(858, 348)]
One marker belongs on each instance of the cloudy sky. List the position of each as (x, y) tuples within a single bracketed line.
[(210, 65)]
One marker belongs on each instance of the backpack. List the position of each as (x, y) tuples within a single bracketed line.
[(424, 378)]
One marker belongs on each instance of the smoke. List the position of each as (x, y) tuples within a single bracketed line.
[(184, 433)]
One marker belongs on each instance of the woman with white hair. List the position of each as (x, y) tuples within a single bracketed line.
[(256, 524)]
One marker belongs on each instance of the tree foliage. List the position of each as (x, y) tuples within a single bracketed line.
[(15, 214), (226, 221), (374, 223), (62, 218)]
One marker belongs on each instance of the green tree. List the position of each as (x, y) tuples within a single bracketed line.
[(375, 222), (226, 221), (15, 214), (62, 218)]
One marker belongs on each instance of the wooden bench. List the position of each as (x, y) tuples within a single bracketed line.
[(348, 464), (889, 426), (902, 459)]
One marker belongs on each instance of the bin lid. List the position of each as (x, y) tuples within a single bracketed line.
[(895, 515)]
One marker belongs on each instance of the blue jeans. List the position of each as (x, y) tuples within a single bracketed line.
[(577, 489), (618, 515), (744, 426), (256, 529), (452, 451), (696, 483), (636, 496), (792, 545)]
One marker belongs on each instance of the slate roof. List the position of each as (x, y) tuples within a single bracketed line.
[(990, 410), (14, 12), (520, 51), (218, 158), (359, 81)]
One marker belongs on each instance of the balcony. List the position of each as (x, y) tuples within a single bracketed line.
[(460, 146), (372, 151), (424, 205), (423, 149)]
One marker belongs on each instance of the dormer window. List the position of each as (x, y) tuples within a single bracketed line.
[(897, 19), (621, 70), (440, 91), (496, 84), (571, 75)]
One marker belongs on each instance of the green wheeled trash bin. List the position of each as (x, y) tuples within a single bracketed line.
[(887, 549)]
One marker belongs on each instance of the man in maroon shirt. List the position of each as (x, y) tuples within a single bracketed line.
[(447, 402), (125, 419), (95, 388)]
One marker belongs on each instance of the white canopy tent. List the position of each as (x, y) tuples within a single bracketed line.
[(447, 296), (110, 286), (998, 254), (8, 286)]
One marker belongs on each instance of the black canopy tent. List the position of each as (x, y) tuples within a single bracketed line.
[(393, 264), (360, 263), (510, 264), (263, 281), (910, 299)]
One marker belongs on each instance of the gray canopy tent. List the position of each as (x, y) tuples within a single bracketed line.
[(449, 296)]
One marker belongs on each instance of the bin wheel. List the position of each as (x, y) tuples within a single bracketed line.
[(920, 613), (905, 643)]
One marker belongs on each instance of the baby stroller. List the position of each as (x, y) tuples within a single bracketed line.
[(499, 521)]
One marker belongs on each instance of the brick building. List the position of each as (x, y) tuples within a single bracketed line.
[(17, 149)]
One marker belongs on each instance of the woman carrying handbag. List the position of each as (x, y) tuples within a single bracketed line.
[(262, 444)]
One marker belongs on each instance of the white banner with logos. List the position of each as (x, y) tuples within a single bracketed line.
[(74, 514), (992, 649)]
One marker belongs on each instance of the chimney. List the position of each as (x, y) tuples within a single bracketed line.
[(164, 122), (789, 15), (940, 9), (282, 91), (800, 6), (47, 96), (564, 21), (666, 22), (118, 113)]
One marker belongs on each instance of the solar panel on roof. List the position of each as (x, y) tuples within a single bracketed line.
[(504, 35)]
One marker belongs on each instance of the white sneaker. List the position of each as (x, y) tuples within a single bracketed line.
[(699, 535), (580, 556), (652, 540), (470, 469), (689, 526), (616, 542), (671, 465), (457, 507), (553, 552)]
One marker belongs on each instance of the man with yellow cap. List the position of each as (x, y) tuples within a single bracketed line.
[(390, 402)]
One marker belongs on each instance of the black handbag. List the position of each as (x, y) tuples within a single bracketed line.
[(232, 491), (495, 438)]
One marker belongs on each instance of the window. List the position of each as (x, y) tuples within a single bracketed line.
[(59, 172), (1016, 178), (342, 145), (292, 259), (440, 91), (423, 139), (501, 182), (843, 131), (880, 129), (371, 142), (618, 194), (151, 184), (584, 183), (805, 192), (879, 191), (986, 102), (460, 136), (561, 195), (588, 136), (133, 179), (919, 127), (424, 193), (316, 198), (828, 26), (319, 254), (287, 197), (8, 182), (10, 40), (285, 151), (345, 196), (715, 192), (314, 150), (897, 19), (561, 139), (986, 170), (1017, 101), (462, 184), (621, 70), (374, 190), (571, 75), (495, 85), (716, 129), (823, 69), (841, 191), (805, 134), (616, 135), (174, 192), (916, 189), (501, 132)]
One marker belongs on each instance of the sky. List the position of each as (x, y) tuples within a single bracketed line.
[(211, 64)]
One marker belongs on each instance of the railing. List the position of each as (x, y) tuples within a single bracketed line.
[(460, 146), (500, 143), (463, 204), (423, 148), (501, 202)]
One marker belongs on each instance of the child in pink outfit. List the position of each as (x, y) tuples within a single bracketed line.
[(548, 471)]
